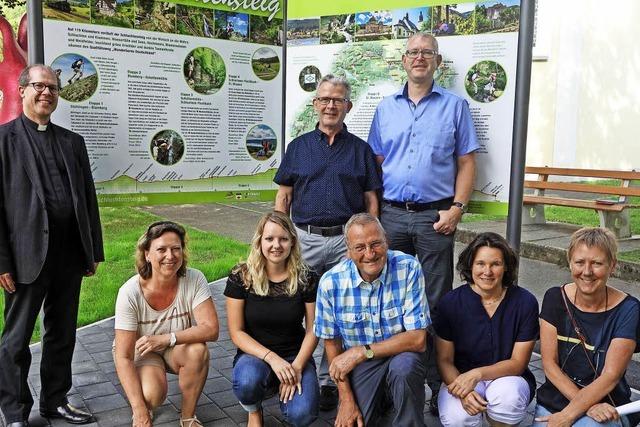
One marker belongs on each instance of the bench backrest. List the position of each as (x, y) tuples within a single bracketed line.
[(623, 190)]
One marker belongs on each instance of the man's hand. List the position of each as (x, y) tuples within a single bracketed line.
[(7, 283), (348, 414), (448, 221), (603, 412), (150, 343), (474, 403), (344, 363), (89, 273), (464, 384)]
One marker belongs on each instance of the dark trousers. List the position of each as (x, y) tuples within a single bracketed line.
[(413, 234), (57, 291), (398, 378)]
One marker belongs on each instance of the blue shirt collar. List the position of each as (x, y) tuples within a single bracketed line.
[(339, 135), (404, 91)]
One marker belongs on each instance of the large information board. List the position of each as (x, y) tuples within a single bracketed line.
[(364, 40), (178, 100)]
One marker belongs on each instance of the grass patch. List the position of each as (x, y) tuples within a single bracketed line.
[(122, 226)]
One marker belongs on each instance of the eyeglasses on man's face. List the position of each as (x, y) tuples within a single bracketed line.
[(373, 247), (325, 100), (40, 87), (426, 53)]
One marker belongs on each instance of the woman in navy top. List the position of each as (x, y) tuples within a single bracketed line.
[(584, 383), (486, 331)]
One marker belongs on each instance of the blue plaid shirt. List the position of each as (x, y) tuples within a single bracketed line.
[(360, 312)]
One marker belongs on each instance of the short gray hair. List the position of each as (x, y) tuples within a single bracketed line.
[(363, 219), (336, 81), (422, 35), (25, 76), (595, 237)]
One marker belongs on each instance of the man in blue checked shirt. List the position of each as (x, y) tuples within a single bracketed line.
[(372, 313)]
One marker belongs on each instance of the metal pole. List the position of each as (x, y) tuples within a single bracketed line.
[(34, 32), (520, 122), (283, 73)]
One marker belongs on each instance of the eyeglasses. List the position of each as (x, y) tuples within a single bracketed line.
[(325, 100), (40, 87), (426, 53), (373, 246)]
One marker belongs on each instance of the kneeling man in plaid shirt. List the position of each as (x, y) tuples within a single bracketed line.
[(372, 313)]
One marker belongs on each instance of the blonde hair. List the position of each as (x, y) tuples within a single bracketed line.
[(254, 271), (597, 237)]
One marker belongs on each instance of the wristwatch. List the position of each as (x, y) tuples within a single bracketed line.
[(460, 205), (368, 353), (173, 339)]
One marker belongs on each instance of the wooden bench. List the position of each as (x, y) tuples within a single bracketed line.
[(614, 214)]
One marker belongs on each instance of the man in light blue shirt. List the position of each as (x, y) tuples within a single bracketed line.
[(372, 312), (424, 140)]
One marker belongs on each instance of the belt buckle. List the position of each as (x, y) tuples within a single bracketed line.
[(409, 206)]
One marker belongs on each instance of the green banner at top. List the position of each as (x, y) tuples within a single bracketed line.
[(305, 8), (270, 8)]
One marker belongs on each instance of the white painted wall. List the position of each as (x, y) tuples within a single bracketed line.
[(585, 99)]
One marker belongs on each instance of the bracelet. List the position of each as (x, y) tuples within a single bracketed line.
[(265, 355)]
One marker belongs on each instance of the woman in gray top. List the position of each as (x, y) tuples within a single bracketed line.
[(164, 317)]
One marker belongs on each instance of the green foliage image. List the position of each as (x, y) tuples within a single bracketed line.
[(265, 63), (485, 81), (204, 70)]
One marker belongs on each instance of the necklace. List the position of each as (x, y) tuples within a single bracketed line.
[(495, 301)]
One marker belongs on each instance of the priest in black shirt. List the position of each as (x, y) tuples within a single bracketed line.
[(50, 238)]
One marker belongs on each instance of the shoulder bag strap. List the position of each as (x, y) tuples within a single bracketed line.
[(581, 337)]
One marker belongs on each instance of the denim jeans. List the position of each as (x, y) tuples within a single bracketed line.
[(583, 421), (253, 379)]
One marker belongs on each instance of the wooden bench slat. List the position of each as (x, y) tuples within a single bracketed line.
[(573, 203), (583, 188), (586, 173)]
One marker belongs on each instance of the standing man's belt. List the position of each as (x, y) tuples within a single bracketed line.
[(419, 207), (336, 230)]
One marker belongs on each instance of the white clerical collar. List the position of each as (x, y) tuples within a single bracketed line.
[(42, 128)]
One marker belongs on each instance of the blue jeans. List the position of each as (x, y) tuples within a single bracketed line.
[(583, 421), (253, 379)]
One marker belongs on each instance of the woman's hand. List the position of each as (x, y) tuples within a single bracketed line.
[(287, 391), (283, 369), (150, 343), (559, 419), (464, 383), (473, 403), (603, 412)]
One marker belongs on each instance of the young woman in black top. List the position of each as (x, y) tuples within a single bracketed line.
[(267, 299)]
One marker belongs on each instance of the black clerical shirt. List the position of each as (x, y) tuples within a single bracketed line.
[(53, 175)]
